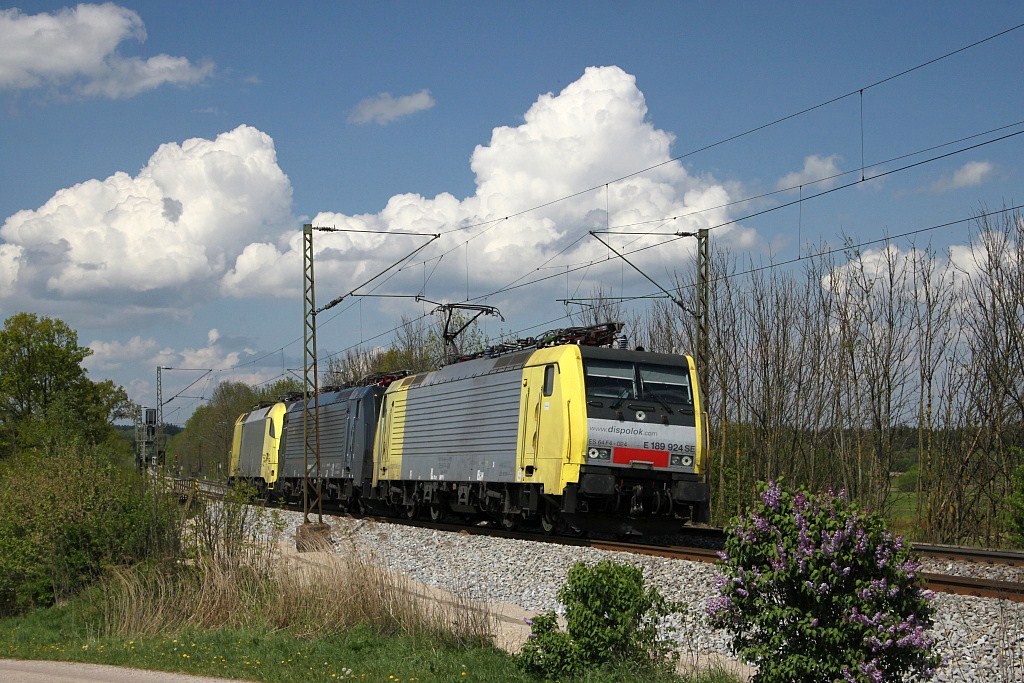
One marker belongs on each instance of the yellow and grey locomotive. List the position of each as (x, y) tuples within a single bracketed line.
[(585, 437)]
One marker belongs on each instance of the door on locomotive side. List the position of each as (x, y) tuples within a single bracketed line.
[(354, 406), (269, 469), (543, 427)]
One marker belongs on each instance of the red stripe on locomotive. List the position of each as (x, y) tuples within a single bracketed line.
[(624, 456)]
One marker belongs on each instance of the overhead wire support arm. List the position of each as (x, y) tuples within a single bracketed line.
[(334, 302), (676, 300), (180, 394), (583, 300)]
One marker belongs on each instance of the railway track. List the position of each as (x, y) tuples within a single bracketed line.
[(1011, 558), (943, 583)]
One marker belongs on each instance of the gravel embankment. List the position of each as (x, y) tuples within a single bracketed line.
[(978, 570), (983, 640)]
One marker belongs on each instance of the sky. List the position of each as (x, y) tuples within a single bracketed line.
[(158, 160)]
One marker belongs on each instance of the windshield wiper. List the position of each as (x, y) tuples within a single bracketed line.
[(664, 405), (625, 394)]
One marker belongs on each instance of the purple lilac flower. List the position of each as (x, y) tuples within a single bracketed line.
[(771, 495), (719, 605)]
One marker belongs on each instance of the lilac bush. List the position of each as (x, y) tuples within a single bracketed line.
[(814, 589)]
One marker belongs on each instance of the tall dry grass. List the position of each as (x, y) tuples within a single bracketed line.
[(244, 582)]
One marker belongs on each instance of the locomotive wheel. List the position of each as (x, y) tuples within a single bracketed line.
[(412, 511), (549, 520), (509, 522), (436, 512)]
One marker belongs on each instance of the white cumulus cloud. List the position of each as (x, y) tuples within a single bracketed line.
[(10, 264), (594, 130), (821, 171), (971, 174), (78, 48), (113, 354), (385, 108), (170, 230)]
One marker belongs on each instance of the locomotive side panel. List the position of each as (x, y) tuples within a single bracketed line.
[(348, 420), (292, 444), (333, 426), (464, 430), (364, 410), (334, 431), (236, 447)]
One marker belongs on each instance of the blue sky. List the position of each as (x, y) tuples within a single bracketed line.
[(157, 160)]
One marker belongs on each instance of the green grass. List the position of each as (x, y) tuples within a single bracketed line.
[(902, 514), (61, 633)]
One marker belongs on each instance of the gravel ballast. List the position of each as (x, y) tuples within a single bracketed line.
[(982, 639)]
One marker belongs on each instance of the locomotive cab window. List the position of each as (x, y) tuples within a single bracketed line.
[(549, 380), (610, 379), (666, 383)]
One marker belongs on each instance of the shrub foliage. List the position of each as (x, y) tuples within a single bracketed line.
[(814, 589), (64, 517), (611, 618)]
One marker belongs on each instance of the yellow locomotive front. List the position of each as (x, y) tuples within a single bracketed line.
[(646, 445)]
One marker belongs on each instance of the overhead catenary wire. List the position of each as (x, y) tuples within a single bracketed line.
[(337, 300), (513, 285), (750, 131), (738, 274), (659, 295), (850, 246), (491, 223), (617, 230)]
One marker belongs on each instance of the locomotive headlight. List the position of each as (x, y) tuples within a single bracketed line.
[(599, 453), (680, 460)]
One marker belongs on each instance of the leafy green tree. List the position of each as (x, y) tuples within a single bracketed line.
[(67, 515), (45, 393)]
